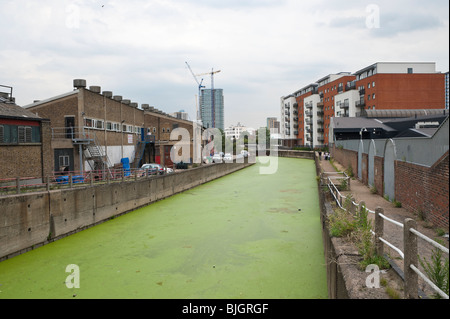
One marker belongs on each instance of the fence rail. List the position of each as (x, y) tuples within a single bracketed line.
[(69, 179), (410, 235)]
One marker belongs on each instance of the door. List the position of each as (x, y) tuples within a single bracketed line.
[(167, 160), (371, 168), (70, 126), (389, 169)]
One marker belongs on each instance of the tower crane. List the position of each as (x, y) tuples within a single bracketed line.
[(213, 109), (200, 86)]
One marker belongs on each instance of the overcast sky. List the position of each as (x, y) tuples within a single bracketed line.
[(264, 49)]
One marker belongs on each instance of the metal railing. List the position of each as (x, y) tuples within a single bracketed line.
[(410, 235), (71, 179)]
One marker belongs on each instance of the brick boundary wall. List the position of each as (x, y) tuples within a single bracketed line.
[(346, 158), (424, 190), (420, 189)]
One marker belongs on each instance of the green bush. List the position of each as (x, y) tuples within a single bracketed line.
[(437, 270)]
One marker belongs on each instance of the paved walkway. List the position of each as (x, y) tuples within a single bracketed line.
[(392, 232)]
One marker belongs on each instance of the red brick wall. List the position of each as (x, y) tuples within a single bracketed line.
[(346, 158), (418, 188), (429, 194), (378, 175), (365, 171)]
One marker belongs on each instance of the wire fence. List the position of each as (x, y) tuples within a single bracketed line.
[(409, 253)]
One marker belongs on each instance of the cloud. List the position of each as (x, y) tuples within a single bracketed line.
[(264, 48)]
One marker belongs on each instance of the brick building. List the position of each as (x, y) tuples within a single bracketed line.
[(92, 129), (380, 86), (24, 143)]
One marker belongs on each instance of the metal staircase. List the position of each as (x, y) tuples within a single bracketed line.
[(97, 159), (140, 149)]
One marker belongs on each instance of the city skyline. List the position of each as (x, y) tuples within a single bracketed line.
[(271, 49)]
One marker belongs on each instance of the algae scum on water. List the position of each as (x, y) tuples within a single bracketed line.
[(245, 235)]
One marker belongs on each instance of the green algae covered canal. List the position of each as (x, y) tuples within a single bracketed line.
[(245, 235)]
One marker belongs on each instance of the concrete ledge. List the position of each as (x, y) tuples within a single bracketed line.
[(32, 220)]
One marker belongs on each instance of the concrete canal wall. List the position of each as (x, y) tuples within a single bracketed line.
[(31, 220)]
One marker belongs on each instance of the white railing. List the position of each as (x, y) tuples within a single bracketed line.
[(411, 281)]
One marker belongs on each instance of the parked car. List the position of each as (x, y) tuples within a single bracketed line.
[(228, 157), (156, 169), (217, 158), (244, 153)]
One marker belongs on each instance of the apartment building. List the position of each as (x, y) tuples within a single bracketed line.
[(273, 125), (212, 108), (93, 130), (235, 131), (380, 86)]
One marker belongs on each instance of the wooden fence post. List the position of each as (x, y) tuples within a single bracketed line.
[(48, 183), (70, 180), (410, 258), (379, 230)]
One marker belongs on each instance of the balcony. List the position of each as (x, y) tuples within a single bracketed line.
[(287, 119), (287, 113), (309, 105), (308, 113), (320, 104), (295, 125), (296, 119), (308, 121), (350, 86), (296, 133), (362, 91), (320, 113), (319, 121), (320, 130), (360, 103), (321, 139), (340, 89)]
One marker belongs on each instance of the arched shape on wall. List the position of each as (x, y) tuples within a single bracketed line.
[(360, 152), (371, 163), (389, 169)]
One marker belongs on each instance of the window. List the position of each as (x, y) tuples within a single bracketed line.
[(109, 126), (410, 70), (24, 134), (64, 161), (100, 124), (154, 130), (13, 134), (88, 122), (373, 96)]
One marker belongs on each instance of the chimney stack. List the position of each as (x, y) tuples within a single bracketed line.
[(79, 83)]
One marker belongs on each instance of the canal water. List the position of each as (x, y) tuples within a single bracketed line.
[(245, 235)]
